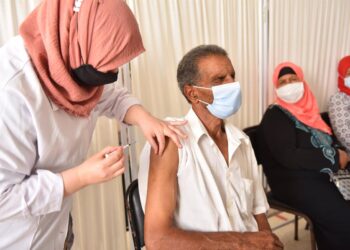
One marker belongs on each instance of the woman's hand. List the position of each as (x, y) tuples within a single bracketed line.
[(103, 166), (154, 129)]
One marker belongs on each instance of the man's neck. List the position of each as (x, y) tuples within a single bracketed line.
[(215, 128), (213, 125)]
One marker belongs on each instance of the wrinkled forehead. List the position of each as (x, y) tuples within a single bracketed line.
[(214, 65)]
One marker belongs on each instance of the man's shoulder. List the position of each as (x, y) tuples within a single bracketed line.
[(237, 130), (237, 133)]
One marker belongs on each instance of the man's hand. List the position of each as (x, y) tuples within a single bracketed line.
[(261, 240), (343, 159)]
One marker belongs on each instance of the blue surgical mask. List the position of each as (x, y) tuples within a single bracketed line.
[(227, 99), (347, 81)]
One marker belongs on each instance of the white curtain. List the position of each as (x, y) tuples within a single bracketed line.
[(171, 28), (12, 13), (313, 34)]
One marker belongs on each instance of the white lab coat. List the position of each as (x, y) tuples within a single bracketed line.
[(37, 142)]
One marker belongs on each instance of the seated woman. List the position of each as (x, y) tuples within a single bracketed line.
[(339, 105), (295, 144)]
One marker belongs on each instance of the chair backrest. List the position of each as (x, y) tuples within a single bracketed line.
[(252, 132), (325, 117), (135, 214)]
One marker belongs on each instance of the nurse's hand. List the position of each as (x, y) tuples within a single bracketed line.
[(103, 166), (155, 131)]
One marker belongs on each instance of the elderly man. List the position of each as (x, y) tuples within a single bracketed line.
[(206, 195)]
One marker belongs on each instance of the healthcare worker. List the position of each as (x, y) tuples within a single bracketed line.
[(54, 84)]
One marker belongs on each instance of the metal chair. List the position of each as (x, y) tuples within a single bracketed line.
[(275, 203), (135, 214)]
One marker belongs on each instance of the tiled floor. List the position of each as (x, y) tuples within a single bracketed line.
[(286, 232)]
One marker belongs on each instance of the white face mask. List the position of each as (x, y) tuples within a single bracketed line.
[(347, 81), (291, 93)]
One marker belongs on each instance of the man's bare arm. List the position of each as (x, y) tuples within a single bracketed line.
[(262, 222), (160, 231)]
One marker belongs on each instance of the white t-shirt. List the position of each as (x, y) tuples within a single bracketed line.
[(37, 142), (212, 196)]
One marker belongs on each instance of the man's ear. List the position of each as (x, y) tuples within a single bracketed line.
[(191, 93)]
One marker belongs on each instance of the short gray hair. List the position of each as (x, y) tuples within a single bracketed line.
[(187, 70)]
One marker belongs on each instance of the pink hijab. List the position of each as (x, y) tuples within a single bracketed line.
[(306, 109), (108, 37)]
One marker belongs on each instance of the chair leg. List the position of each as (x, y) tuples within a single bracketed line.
[(296, 236), (313, 241)]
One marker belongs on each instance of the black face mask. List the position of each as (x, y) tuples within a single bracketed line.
[(88, 76)]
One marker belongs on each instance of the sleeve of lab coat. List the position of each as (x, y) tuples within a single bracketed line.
[(24, 190), (115, 102)]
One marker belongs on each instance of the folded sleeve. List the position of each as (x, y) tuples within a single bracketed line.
[(115, 102), (24, 190)]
